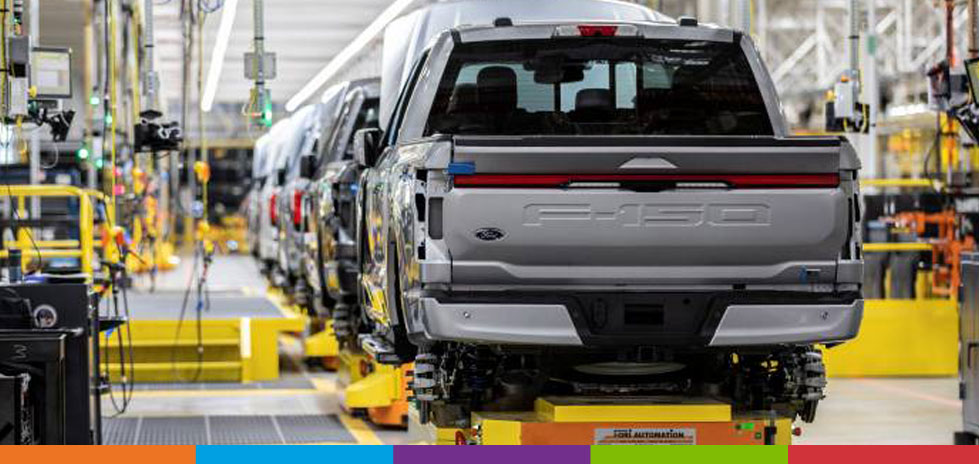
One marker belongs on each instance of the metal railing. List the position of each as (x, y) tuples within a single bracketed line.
[(84, 248)]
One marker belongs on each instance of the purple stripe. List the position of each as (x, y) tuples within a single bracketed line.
[(492, 454)]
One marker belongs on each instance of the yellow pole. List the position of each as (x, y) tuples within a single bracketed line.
[(112, 97), (86, 223)]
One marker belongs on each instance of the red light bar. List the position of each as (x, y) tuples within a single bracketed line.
[(597, 31), (297, 208), (732, 180), (273, 209)]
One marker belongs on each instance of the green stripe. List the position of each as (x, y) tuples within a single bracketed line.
[(690, 454)]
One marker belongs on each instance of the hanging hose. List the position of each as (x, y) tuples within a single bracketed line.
[(117, 285), (198, 284)]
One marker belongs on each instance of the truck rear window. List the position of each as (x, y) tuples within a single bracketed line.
[(598, 87)]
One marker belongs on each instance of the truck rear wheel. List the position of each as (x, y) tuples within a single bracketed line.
[(965, 438)]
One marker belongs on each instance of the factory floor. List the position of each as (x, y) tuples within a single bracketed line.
[(856, 411)]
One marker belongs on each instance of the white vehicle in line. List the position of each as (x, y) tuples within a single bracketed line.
[(268, 237)]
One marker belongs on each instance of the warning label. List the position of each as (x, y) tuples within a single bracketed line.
[(646, 436)]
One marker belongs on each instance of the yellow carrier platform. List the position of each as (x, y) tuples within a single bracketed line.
[(604, 421), (321, 345), (377, 391)]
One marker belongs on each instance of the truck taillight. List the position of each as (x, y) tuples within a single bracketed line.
[(297, 208), (746, 181), (597, 30), (273, 210)]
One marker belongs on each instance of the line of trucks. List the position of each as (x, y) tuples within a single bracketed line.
[(566, 197)]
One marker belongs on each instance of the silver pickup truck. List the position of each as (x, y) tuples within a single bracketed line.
[(604, 208)]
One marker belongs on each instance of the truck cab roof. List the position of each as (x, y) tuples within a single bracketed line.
[(568, 29), (406, 38)]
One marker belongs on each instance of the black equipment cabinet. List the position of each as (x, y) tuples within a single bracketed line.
[(63, 311), (16, 413), (42, 355), (969, 348)]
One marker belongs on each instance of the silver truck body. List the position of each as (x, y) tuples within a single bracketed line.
[(330, 248), (746, 240), (252, 205), (311, 123), (295, 142), (268, 237)]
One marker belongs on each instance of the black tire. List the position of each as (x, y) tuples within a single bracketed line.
[(402, 345), (324, 295), (965, 438)]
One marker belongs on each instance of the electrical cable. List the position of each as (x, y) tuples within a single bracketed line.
[(207, 7), (128, 396), (127, 368), (15, 210), (198, 281), (117, 271), (57, 157)]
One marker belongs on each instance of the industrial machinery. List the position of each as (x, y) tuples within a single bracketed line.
[(49, 358), (969, 349)]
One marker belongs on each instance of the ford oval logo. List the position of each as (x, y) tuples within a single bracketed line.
[(490, 234)]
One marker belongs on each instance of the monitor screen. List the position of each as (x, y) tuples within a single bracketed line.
[(972, 70), (51, 72)]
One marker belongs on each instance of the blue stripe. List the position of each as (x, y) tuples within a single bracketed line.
[(292, 454)]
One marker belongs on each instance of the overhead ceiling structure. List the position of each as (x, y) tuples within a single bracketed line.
[(803, 42), (304, 34)]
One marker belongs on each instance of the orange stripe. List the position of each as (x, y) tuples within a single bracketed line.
[(101, 454)]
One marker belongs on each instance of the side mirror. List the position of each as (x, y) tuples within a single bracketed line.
[(367, 147), (307, 166), (280, 176)]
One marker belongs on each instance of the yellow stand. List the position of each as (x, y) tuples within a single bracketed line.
[(605, 421), (379, 390), (323, 345), (900, 338), (235, 350)]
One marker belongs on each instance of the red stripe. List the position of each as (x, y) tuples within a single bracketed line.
[(736, 180)]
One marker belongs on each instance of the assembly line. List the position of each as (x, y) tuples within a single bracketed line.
[(490, 222)]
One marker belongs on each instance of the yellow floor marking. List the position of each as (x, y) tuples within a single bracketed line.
[(361, 432)]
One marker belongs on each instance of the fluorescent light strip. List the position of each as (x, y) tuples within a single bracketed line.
[(228, 14), (338, 62)]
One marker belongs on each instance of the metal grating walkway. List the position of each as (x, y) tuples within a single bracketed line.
[(166, 305), (226, 430)]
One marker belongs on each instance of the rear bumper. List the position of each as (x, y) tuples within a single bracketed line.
[(746, 325), (518, 324), (703, 320)]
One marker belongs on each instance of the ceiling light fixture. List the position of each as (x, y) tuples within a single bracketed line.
[(217, 56), (341, 59)]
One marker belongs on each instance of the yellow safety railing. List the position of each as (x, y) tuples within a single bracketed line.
[(84, 248), (896, 247), (900, 183)]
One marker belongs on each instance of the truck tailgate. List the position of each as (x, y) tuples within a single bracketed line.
[(542, 211)]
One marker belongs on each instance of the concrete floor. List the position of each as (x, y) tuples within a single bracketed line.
[(856, 411)]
